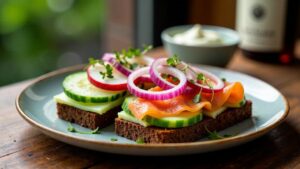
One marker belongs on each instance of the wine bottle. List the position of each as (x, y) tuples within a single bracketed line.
[(267, 29)]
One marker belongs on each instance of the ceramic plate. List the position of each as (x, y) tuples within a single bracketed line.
[(35, 104)]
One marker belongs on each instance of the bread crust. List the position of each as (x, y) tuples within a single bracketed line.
[(229, 117), (86, 118)]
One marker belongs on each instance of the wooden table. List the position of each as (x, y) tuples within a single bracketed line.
[(22, 146)]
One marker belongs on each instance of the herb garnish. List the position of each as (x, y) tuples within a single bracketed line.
[(169, 78), (74, 130), (108, 72), (213, 92), (139, 140), (108, 68), (205, 81), (173, 61), (93, 61), (197, 98), (214, 135), (123, 56), (200, 76), (113, 139)]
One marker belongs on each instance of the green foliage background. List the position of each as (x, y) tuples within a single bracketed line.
[(33, 36)]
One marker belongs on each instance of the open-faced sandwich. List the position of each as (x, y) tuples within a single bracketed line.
[(153, 101), (188, 103), (92, 98)]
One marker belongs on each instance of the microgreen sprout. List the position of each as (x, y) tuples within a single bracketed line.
[(72, 129), (197, 98), (108, 68), (214, 135), (173, 61), (139, 140), (123, 56), (201, 77), (113, 139)]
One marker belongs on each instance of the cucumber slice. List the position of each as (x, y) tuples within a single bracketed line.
[(173, 122), (125, 116), (240, 104), (165, 122), (77, 87), (125, 104), (99, 108), (215, 113)]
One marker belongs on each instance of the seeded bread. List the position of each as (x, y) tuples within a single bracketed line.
[(229, 117), (85, 118)]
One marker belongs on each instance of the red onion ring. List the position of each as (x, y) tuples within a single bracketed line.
[(161, 82), (108, 56), (161, 95), (218, 84), (156, 76)]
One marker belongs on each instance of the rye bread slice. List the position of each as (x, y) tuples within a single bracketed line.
[(86, 118), (229, 117)]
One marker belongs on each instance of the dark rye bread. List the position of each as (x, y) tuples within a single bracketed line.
[(151, 134), (86, 118)]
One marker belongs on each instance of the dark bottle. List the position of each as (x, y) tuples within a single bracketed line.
[(267, 29)]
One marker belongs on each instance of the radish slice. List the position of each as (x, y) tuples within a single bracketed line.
[(157, 95), (217, 83), (141, 61), (118, 82)]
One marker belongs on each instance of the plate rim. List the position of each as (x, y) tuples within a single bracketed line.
[(237, 138)]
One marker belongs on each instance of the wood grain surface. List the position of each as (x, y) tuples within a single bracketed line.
[(22, 146)]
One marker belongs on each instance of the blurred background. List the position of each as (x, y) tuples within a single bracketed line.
[(38, 36)]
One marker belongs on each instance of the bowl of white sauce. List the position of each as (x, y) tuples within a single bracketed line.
[(201, 44)]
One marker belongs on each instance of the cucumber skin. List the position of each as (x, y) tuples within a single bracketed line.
[(238, 105), (125, 105), (86, 99), (166, 122), (243, 102)]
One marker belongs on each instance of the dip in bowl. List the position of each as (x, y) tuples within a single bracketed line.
[(211, 45)]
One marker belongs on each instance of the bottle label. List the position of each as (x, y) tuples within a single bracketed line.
[(261, 24)]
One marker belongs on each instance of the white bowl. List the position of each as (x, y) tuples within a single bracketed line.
[(212, 54)]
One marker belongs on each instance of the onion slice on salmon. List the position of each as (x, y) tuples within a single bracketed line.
[(158, 95)]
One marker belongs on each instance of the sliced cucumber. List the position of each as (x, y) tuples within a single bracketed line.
[(214, 114), (125, 104), (166, 122), (173, 122), (240, 104), (125, 116), (77, 87), (217, 112), (243, 102), (99, 108)]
